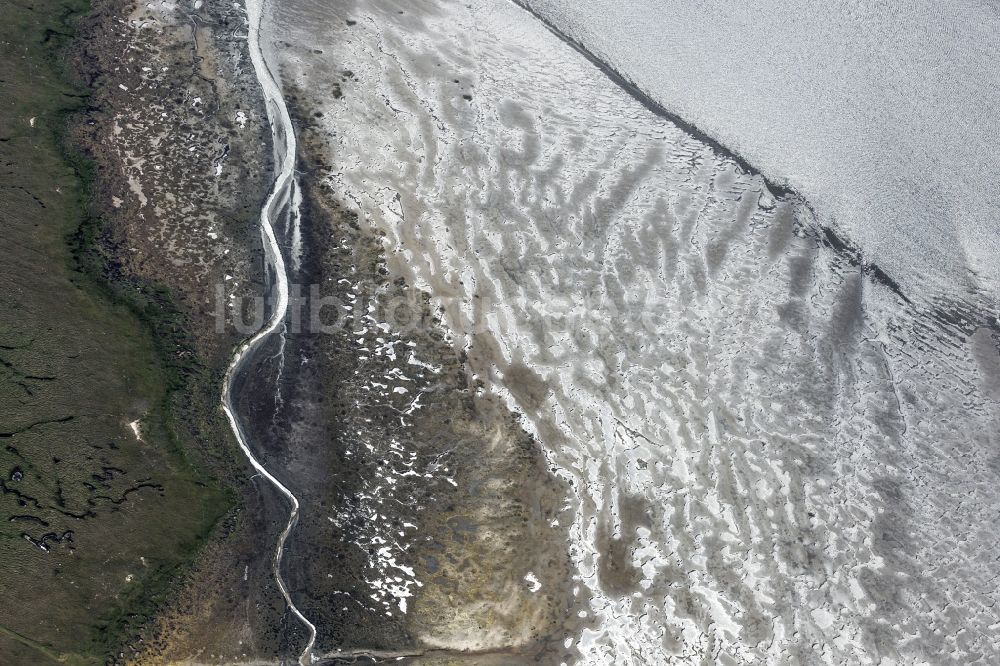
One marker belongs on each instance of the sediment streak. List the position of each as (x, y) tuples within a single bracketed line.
[(284, 156)]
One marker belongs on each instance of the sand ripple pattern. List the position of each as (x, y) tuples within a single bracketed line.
[(775, 458)]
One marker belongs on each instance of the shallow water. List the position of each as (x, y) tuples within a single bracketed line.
[(774, 457), (882, 114)]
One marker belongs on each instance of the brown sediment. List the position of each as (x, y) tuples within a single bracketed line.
[(451, 502)]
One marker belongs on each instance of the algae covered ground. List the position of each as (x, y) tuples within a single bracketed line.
[(99, 508)]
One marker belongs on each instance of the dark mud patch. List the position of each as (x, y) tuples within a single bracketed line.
[(425, 506)]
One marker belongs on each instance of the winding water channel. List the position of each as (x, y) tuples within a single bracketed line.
[(279, 197)]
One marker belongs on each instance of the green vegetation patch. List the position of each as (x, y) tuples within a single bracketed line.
[(99, 509)]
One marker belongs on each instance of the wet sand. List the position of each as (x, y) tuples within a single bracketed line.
[(420, 494), (768, 446)]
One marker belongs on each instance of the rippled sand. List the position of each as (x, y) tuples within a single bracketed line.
[(774, 457)]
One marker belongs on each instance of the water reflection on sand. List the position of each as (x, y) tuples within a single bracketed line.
[(773, 456)]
